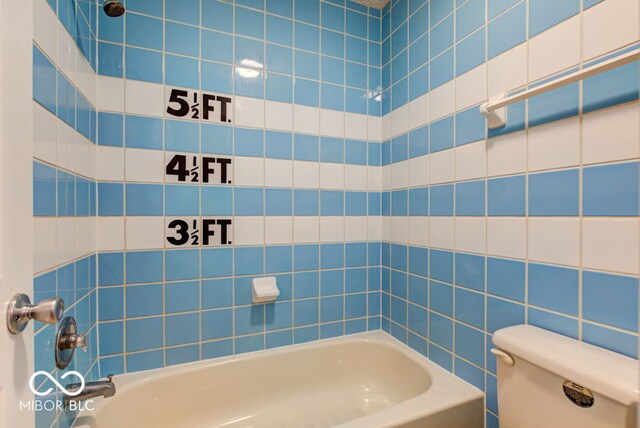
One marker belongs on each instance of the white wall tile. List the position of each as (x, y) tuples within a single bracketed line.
[(507, 154), (249, 112), (611, 244), (86, 79), (331, 175), (441, 231), (387, 181), (441, 166), (85, 236), (506, 237), (278, 173), (110, 233), (508, 71), (65, 146), (399, 120), (374, 178), (355, 228), (355, 177), (306, 174), (554, 145), (419, 171), (67, 51), (611, 134), (248, 230), (419, 231), (44, 243), (85, 157), (144, 98), (374, 228), (470, 234), (278, 230), (110, 93), (555, 240), (144, 165), (109, 163), (399, 175), (471, 87), (386, 228), (332, 123), (144, 233), (65, 239), (419, 111), (610, 25), (278, 116), (355, 126), (45, 28), (555, 49), (386, 127), (442, 102), (306, 229), (399, 229), (248, 171), (331, 229), (306, 119), (44, 134), (470, 161), (374, 128)]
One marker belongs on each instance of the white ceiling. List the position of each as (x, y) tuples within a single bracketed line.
[(378, 4)]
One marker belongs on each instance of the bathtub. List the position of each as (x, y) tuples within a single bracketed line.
[(363, 380)]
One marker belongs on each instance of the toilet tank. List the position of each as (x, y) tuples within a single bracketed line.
[(546, 380)]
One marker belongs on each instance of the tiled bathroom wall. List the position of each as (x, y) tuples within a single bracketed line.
[(195, 202), (64, 185), (535, 222), (192, 145)]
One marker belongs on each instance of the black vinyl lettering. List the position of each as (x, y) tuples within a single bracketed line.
[(206, 105), (179, 96), (207, 169), (207, 232), (181, 228), (194, 108), (223, 108), (178, 166), (224, 163), (223, 231)]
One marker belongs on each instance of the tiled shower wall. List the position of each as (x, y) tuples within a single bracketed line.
[(64, 185), (536, 222), (302, 190), (355, 142)]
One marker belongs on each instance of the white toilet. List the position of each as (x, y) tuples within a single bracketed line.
[(546, 380)]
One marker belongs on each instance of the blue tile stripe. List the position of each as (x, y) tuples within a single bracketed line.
[(607, 190), (326, 290), (134, 51), (53, 90)]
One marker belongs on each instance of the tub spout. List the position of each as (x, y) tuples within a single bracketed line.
[(101, 388)]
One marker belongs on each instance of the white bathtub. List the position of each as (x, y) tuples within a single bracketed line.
[(364, 380)]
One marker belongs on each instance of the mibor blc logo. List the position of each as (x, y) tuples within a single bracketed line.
[(51, 403), (53, 379)]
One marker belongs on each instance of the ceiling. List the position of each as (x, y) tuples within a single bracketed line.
[(378, 4)]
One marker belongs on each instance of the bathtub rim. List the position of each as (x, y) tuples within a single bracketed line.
[(435, 399)]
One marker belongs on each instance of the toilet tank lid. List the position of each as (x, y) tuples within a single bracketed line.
[(608, 373)]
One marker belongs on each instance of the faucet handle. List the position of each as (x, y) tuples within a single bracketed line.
[(80, 341), (110, 377)]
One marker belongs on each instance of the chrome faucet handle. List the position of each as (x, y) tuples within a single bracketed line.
[(20, 311), (67, 341), (73, 340)]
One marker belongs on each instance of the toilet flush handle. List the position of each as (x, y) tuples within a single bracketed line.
[(506, 358)]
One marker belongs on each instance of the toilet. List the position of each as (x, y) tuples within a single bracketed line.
[(546, 380)]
